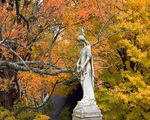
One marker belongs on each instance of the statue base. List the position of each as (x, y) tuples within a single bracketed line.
[(86, 111)]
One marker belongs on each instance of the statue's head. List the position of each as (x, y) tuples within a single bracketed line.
[(82, 39)]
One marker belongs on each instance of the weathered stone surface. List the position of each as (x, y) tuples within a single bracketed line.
[(85, 111), (76, 118)]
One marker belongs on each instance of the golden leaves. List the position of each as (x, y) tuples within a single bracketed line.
[(135, 78), (5, 84), (34, 85), (5, 53), (41, 117)]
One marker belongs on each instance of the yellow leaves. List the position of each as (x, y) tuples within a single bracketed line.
[(144, 39), (138, 4), (41, 49), (135, 54), (5, 84), (135, 38), (41, 117), (89, 26), (9, 29), (130, 26), (135, 78), (137, 81), (65, 88), (25, 100), (123, 43), (65, 53), (144, 93), (30, 115), (6, 114), (132, 43), (5, 52), (124, 97), (133, 15), (10, 118)]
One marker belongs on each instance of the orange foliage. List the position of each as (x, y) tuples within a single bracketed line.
[(70, 16)]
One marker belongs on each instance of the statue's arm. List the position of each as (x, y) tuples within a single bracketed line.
[(89, 55), (78, 65), (85, 63), (78, 62)]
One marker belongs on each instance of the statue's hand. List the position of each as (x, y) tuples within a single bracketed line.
[(79, 68)]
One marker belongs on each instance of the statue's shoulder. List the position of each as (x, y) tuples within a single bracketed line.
[(88, 47)]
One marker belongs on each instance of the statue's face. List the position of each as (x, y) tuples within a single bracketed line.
[(80, 42)]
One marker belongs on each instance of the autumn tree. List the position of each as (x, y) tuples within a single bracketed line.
[(38, 46), (127, 97)]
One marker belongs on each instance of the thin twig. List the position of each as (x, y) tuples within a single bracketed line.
[(19, 58), (100, 34)]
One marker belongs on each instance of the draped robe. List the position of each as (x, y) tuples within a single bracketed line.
[(87, 74)]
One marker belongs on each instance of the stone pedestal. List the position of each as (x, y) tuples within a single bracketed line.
[(86, 111)]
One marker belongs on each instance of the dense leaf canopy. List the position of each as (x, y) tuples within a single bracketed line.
[(39, 50)]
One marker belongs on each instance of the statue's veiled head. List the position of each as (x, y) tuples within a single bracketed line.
[(82, 39)]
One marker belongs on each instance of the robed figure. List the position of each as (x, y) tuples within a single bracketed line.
[(85, 66), (86, 109)]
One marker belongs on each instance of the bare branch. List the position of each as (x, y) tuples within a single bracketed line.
[(20, 15), (60, 30), (19, 57), (38, 63), (4, 43), (6, 64), (47, 99), (100, 34), (1, 37)]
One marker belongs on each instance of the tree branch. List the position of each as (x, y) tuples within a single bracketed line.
[(100, 34), (6, 64), (19, 57), (1, 37), (42, 104), (46, 99), (20, 15)]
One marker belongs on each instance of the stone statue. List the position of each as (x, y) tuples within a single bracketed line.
[(85, 66), (86, 109)]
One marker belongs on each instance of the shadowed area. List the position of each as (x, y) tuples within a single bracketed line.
[(70, 101)]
